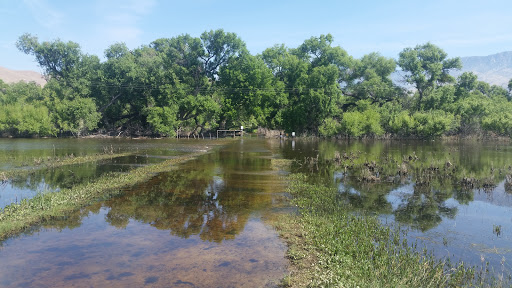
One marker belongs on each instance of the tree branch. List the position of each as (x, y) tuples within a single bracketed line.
[(110, 103)]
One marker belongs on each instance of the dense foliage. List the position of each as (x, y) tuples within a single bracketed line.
[(194, 85)]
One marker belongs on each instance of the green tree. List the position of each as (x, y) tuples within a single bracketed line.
[(440, 98), (117, 86), (313, 75), (293, 73), (56, 58), (499, 117), (188, 86), (470, 110), (323, 98), (22, 119), (182, 55), (252, 95), (330, 127), (434, 123), (370, 80), (427, 67), (63, 62), (275, 58), (318, 51), (76, 116), (219, 48), (364, 120), (20, 92), (163, 119), (466, 83)]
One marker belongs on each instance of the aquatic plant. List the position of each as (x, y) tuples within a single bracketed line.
[(19, 217), (330, 247), (496, 229)]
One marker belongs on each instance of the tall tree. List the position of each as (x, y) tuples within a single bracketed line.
[(370, 80), (198, 103), (427, 67), (56, 58), (219, 48), (466, 83), (252, 95), (318, 51), (63, 62), (182, 55)]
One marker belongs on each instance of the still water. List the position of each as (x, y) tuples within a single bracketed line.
[(204, 225), (454, 198)]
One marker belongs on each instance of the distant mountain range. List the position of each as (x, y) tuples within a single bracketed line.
[(494, 69), (13, 76)]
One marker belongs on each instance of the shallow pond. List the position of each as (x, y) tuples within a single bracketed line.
[(50, 179), (204, 225), (22, 153), (454, 198)]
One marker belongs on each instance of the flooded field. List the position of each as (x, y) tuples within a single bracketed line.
[(199, 226), (205, 224), (454, 198)]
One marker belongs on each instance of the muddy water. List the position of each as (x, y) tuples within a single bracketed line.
[(200, 226)]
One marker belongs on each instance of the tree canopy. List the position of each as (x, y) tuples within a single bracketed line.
[(427, 67), (188, 85)]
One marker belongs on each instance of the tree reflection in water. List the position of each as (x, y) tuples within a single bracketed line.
[(435, 178), (212, 197)]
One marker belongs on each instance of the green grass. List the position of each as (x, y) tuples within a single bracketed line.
[(54, 162), (331, 247), (16, 218)]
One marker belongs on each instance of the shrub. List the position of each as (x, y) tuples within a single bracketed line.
[(330, 127), (357, 123), (433, 123)]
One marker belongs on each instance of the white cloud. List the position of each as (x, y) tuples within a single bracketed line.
[(139, 7), (119, 21), (43, 13), (122, 34)]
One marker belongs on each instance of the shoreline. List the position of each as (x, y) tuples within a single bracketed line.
[(17, 218), (273, 134), (329, 247)]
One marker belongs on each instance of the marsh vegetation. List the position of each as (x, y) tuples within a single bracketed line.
[(408, 211)]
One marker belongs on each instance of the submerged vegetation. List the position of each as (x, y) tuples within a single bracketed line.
[(435, 173), (192, 86), (56, 161), (329, 247), (340, 236), (337, 192), (44, 207)]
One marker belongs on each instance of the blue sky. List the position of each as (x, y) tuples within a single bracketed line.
[(461, 28)]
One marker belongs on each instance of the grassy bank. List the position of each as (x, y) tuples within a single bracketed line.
[(16, 218), (330, 247), (55, 162)]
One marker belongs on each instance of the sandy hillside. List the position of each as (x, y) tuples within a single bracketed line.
[(12, 76)]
